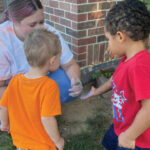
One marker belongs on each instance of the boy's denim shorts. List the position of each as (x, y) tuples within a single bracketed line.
[(110, 141)]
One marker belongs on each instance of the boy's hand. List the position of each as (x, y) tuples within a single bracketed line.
[(125, 141), (76, 87), (4, 128), (60, 144), (89, 94)]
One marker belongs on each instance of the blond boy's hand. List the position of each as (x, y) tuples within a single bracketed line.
[(4, 127), (126, 141), (89, 94), (60, 144)]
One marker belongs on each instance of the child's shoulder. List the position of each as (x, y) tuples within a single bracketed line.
[(143, 58), (51, 83)]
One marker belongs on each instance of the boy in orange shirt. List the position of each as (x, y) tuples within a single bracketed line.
[(31, 101)]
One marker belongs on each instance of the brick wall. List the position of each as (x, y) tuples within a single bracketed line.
[(1, 6), (81, 23)]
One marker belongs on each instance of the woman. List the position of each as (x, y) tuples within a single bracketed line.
[(21, 17)]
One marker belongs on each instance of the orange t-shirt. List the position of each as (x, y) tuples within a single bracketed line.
[(27, 101)]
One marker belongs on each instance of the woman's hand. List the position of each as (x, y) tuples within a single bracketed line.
[(76, 87)]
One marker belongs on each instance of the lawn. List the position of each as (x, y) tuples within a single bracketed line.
[(90, 140), (82, 124)]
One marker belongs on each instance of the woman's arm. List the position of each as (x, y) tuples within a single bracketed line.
[(72, 70)]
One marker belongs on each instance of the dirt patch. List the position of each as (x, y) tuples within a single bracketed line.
[(76, 113)]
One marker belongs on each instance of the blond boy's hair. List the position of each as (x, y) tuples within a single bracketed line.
[(40, 45)]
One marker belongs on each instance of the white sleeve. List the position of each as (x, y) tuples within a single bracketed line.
[(66, 55), (5, 71)]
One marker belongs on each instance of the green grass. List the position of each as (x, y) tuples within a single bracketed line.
[(90, 140), (147, 2), (5, 142)]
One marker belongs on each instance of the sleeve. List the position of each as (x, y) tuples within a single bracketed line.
[(51, 105), (5, 71), (66, 55), (140, 81), (4, 99)]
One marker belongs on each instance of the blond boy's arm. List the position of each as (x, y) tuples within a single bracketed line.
[(2, 88), (51, 127), (139, 125), (4, 119)]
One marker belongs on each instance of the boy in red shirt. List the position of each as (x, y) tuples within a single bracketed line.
[(31, 101), (127, 28)]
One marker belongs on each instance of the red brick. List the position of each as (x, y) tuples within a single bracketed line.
[(79, 49), (82, 17), (100, 23), (58, 12), (74, 26), (76, 1), (102, 48), (71, 16), (49, 10), (87, 41), (71, 1), (81, 1), (96, 31), (90, 1), (86, 25), (84, 41), (82, 33), (82, 56), (96, 54), (64, 6), (54, 18), (65, 22), (53, 4), (90, 55), (75, 41), (74, 8), (96, 15)]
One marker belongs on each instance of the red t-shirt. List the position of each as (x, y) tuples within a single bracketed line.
[(131, 84)]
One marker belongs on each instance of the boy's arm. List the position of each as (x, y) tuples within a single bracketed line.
[(103, 88), (2, 88), (100, 90), (4, 119), (139, 125), (51, 127)]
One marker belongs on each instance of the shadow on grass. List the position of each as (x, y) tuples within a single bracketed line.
[(5, 142), (90, 140)]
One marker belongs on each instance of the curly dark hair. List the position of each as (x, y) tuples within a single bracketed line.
[(131, 17)]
